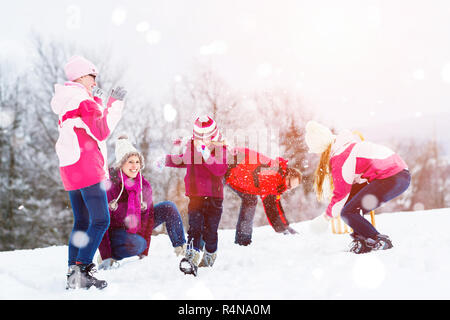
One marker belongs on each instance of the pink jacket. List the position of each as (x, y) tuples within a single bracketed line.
[(84, 125), (355, 161)]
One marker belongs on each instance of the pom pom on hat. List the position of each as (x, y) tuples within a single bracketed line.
[(78, 67), (124, 149), (205, 128), (318, 137)]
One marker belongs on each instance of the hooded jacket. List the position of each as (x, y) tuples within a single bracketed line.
[(84, 125), (355, 161)]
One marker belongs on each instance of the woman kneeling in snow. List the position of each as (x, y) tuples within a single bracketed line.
[(133, 215), (362, 175)]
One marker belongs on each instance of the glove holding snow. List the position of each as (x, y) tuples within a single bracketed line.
[(204, 150), (320, 224), (108, 264), (118, 93)]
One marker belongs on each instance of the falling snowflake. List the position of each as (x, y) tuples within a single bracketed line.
[(170, 113), (369, 202), (6, 118), (119, 16), (80, 239)]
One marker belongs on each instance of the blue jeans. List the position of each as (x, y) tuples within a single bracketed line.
[(380, 191), (244, 225), (204, 218), (167, 212), (91, 220), (124, 244)]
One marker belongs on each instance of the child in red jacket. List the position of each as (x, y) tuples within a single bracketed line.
[(253, 174)]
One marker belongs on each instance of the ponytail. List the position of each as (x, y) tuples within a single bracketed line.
[(322, 173)]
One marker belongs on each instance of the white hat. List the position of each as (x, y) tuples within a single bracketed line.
[(124, 149), (318, 137)]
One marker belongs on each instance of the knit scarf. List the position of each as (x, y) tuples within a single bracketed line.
[(133, 188)]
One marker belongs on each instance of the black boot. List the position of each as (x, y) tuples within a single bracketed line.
[(381, 242), (80, 277), (359, 244)]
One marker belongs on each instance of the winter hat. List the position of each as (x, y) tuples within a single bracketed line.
[(78, 66), (124, 150), (206, 128), (318, 137)]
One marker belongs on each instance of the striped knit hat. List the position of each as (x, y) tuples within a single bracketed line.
[(206, 128)]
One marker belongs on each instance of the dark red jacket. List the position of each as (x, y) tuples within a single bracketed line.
[(254, 173)]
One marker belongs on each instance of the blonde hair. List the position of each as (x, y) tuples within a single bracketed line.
[(322, 173)]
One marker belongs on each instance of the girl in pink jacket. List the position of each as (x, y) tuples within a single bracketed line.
[(361, 175), (84, 125)]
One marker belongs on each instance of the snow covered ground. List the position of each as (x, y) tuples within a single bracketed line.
[(275, 266)]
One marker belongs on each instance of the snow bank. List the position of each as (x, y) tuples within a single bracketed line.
[(275, 266)]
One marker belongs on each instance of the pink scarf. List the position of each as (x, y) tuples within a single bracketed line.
[(133, 216)]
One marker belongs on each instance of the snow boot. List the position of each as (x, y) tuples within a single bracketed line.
[(80, 277), (290, 230), (208, 259), (381, 242), (359, 245), (189, 264)]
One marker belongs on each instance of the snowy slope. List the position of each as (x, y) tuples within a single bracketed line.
[(275, 266)]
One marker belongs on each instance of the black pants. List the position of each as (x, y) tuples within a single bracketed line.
[(204, 218)]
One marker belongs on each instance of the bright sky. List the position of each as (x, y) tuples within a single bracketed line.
[(353, 61)]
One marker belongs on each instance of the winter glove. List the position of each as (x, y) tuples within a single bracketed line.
[(320, 224), (98, 92), (108, 264), (118, 93)]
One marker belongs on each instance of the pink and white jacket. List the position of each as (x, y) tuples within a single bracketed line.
[(355, 161), (84, 125)]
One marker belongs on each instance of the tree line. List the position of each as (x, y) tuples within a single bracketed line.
[(34, 208)]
